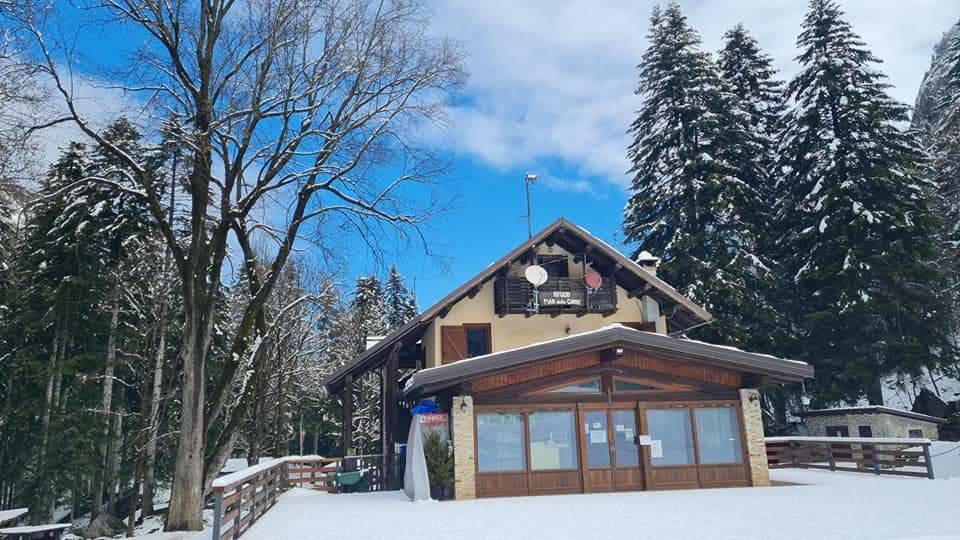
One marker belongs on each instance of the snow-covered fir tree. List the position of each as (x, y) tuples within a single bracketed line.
[(401, 305), (937, 99), (697, 183), (750, 75), (368, 317), (856, 224), (368, 311)]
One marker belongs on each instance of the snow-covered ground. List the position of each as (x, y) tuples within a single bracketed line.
[(829, 505), (946, 459)]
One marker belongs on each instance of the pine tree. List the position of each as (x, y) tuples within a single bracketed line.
[(937, 104), (400, 303), (367, 311), (697, 187), (856, 222), (751, 77), (368, 319)]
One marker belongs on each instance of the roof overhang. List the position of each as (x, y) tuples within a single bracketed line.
[(680, 311), (773, 369)]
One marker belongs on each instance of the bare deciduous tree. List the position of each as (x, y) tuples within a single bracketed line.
[(306, 111)]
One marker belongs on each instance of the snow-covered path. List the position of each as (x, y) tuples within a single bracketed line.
[(845, 506)]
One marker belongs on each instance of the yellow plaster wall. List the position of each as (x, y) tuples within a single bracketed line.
[(512, 331)]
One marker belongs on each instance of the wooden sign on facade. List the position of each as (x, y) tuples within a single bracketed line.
[(562, 298)]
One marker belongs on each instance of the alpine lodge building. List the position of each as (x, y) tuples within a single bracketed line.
[(562, 370)]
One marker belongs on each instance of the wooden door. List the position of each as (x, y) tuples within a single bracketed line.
[(597, 460), (627, 461), (610, 458)]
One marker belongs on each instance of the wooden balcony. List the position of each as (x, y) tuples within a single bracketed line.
[(558, 296)]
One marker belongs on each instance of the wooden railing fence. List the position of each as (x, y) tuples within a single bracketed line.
[(884, 456), (241, 498)]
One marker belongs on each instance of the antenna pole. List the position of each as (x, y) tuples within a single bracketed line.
[(527, 180)]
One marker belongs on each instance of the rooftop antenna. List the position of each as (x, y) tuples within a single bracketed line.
[(529, 179)]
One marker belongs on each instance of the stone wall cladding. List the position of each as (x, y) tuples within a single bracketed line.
[(464, 459), (881, 425), (753, 430)]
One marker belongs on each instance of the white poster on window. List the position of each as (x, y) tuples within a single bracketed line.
[(628, 434), (644, 440), (598, 436), (656, 449)]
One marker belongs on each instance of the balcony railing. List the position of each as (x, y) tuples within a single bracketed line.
[(513, 295)]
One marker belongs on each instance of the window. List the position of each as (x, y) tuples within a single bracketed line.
[(623, 385), (598, 447), (553, 441), (865, 431), (624, 426), (478, 339), (500, 445), (838, 431), (555, 265), (915, 433), (672, 434), (718, 435), (591, 386)]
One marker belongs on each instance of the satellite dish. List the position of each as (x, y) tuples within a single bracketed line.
[(592, 279), (536, 275)]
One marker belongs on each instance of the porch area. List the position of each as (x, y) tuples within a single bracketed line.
[(815, 504)]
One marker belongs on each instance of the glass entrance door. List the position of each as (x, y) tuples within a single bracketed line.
[(627, 473), (611, 458)]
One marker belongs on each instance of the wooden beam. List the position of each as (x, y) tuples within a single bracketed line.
[(639, 292), (475, 290), (390, 404), (347, 414)]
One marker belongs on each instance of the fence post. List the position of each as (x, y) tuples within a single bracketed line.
[(793, 453), (833, 461), (236, 520), (217, 513), (253, 499), (928, 461)]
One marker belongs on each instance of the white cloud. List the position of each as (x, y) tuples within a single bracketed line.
[(553, 81), (98, 104)]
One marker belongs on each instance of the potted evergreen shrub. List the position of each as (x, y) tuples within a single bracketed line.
[(439, 460)]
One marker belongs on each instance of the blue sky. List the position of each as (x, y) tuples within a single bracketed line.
[(551, 92)]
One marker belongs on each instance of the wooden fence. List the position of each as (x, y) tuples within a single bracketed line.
[(240, 498), (898, 457)]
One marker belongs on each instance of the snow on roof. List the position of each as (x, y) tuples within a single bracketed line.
[(864, 440), (28, 529), (880, 409), (418, 376), (12, 514), (728, 347), (482, 357)]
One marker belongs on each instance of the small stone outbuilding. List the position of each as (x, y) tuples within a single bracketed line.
[(870, 421)]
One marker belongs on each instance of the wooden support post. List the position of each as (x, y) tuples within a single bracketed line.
[(235, 533), (217, 514), (348, 415), (833, 461), (390, 404), (928, 461), (253, 500)]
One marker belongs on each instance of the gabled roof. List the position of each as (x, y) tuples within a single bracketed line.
[(428, 381), (681, 312)]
